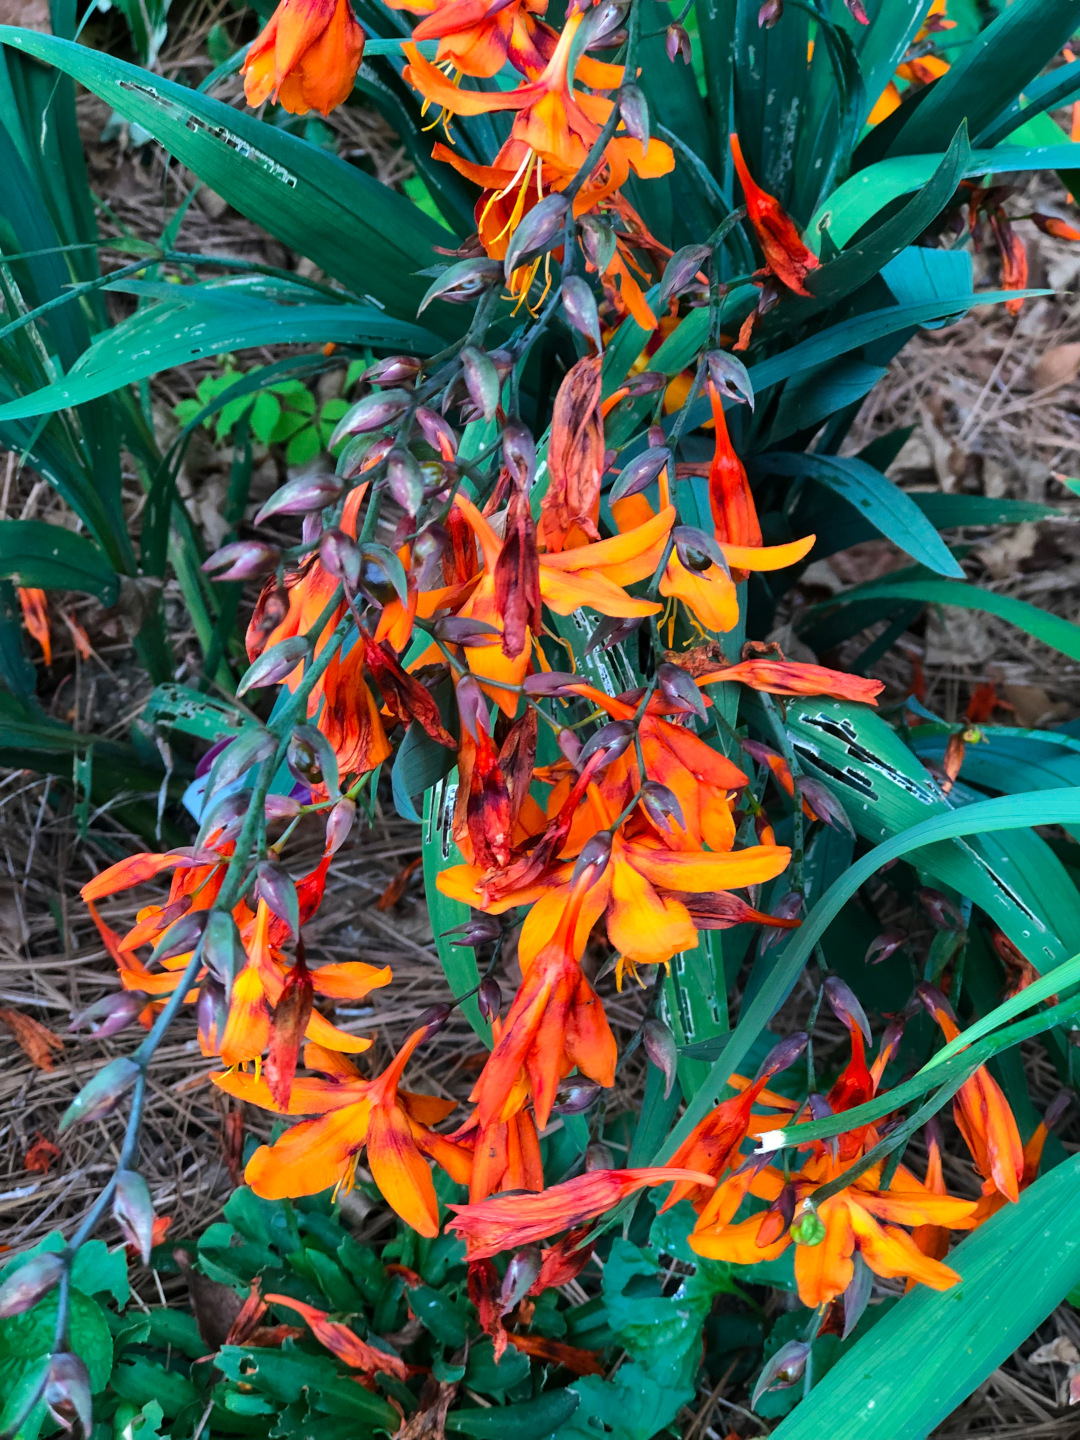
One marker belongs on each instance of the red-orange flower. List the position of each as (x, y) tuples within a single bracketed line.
[(345, 1343), (478, 37), (306, 58), (35, 609), (793, 677), (507, 1221), (785, 254)]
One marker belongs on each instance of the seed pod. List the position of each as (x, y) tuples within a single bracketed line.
[(24, 1287), (659, 1045), (298, 497), (459, 284), (577, 1097), (579, 306), (489, 997), (373, 412), (845, 1005), (634, 109), (223, 951), (339, 556), (242, 560), (681, 271), (598, 240), (519, 452), (594, 857), (729, 375), (808, 1228), (520, 1277), (439, 434), (640, 472), (537, 232), (392, 370), (275, 664), (67, 1392), (103, 1093), (110, 1015), (661, 805), (250, 748), (404, 479), (339, 824), (598, 1156), (782, 1370), (614, 739), (481, 380), (274, 885), (133, 1211), (678, 688), (677, 42)]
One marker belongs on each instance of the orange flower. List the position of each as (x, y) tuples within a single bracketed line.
[(859, 1217), (506, 1152), (353, 1112), (982, 1114), (306, 58), (35, 609), (1014, 260), (345, 1343), (508, 1221), (478, 37), (792, 677), (785, 254), (733, 510)]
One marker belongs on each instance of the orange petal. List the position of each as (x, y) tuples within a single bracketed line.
[(400, 1171), (310, 1157)]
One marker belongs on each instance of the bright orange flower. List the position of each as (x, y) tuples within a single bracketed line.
[(345, 1343), (785, 254), (982, 1114), (860, 1217), (556, 1021), (508, 1221), (353, 1112), (35, 609), (478, 37), (792, 677), (506, 1152), (306, 58)]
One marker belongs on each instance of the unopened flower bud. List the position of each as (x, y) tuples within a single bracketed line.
[(339, 823), (598, 240), (537, 232), (242, 560), (770, 13), (489, 997), (681, 272), (223, 950), (298, 497), (579, 306), (612, 740), (480, 930), (783, 1054), (641, 472), (339, 556), (67, 1392), (472, 707), (133, 1211), (845, 1005), (434, 1018), (808, 1228), (404, 479), (634, 109), (519, 453), (824, 804), (181, 937), (783, 1369), (100, 1096), (520, 1277), (23, 1287), (594, 857), (373, 412), (275, 664), (659, 1045), (274, 885), (577, 1097), (459, 284), (110, 1015), (677, 42), (883, 946), (438, 432), (598, 1156), (661, 805), (392, 370), (481, 380)]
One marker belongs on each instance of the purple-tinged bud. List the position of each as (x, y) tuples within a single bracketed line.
[(770, 13), (67, 1392), (819, 1107), (281, 807), (481, 380), (824, 804), (438, 432), (133, 1211), (489, 997), (729, 376), (274, 885), (659, 1044), (640, 473), (428, 550), (519, 452), (211, 1014), (1056, 1109), (102, 1094), (696, 550), (593, 859), (646, 382), (538, 231), (339, 824), (634, 109), (681, 272), (551, 682), (598, 1156), (21, 1289), (298, 497), (481, 929), (598, 240), (223, 818), (656, 435), (612, 630), (845, 1005), (373, 412), (677, 42), (783, 1054), (242, 560), (614, 739), (223, 950), (569, 743), (784, 1369), (111, 1014), (405, 479), (577, 1097), (579, 306), (462, 630), (275, 664), (933, 1000), (857, 11), (251, 747), (382, 575), (661, 805), (360, 453), (520, 1277), (788, 907), (459, 284), (434, 1018), (602, 24), (392, 370), (857, 1295), (339, 556), (679, 689), (883, 946), (181, 937), (302, 760), (941, 910), (472, 707)]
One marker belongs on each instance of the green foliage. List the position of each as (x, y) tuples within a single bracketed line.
[(283, 412)]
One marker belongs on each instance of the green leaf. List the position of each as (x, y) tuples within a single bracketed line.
[(888, 508), (531, 1420), (631, 1406), (489, 1378), (910, 1372), (50, 557), (144, 1381), (440, 852)]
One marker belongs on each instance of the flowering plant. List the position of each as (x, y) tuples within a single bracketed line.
[(536, 594)]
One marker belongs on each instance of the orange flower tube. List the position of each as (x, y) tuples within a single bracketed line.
[(306, 58)]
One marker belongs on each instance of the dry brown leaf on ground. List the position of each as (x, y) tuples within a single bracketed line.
[(1056, 366), (32, 14), (37, 1040)]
